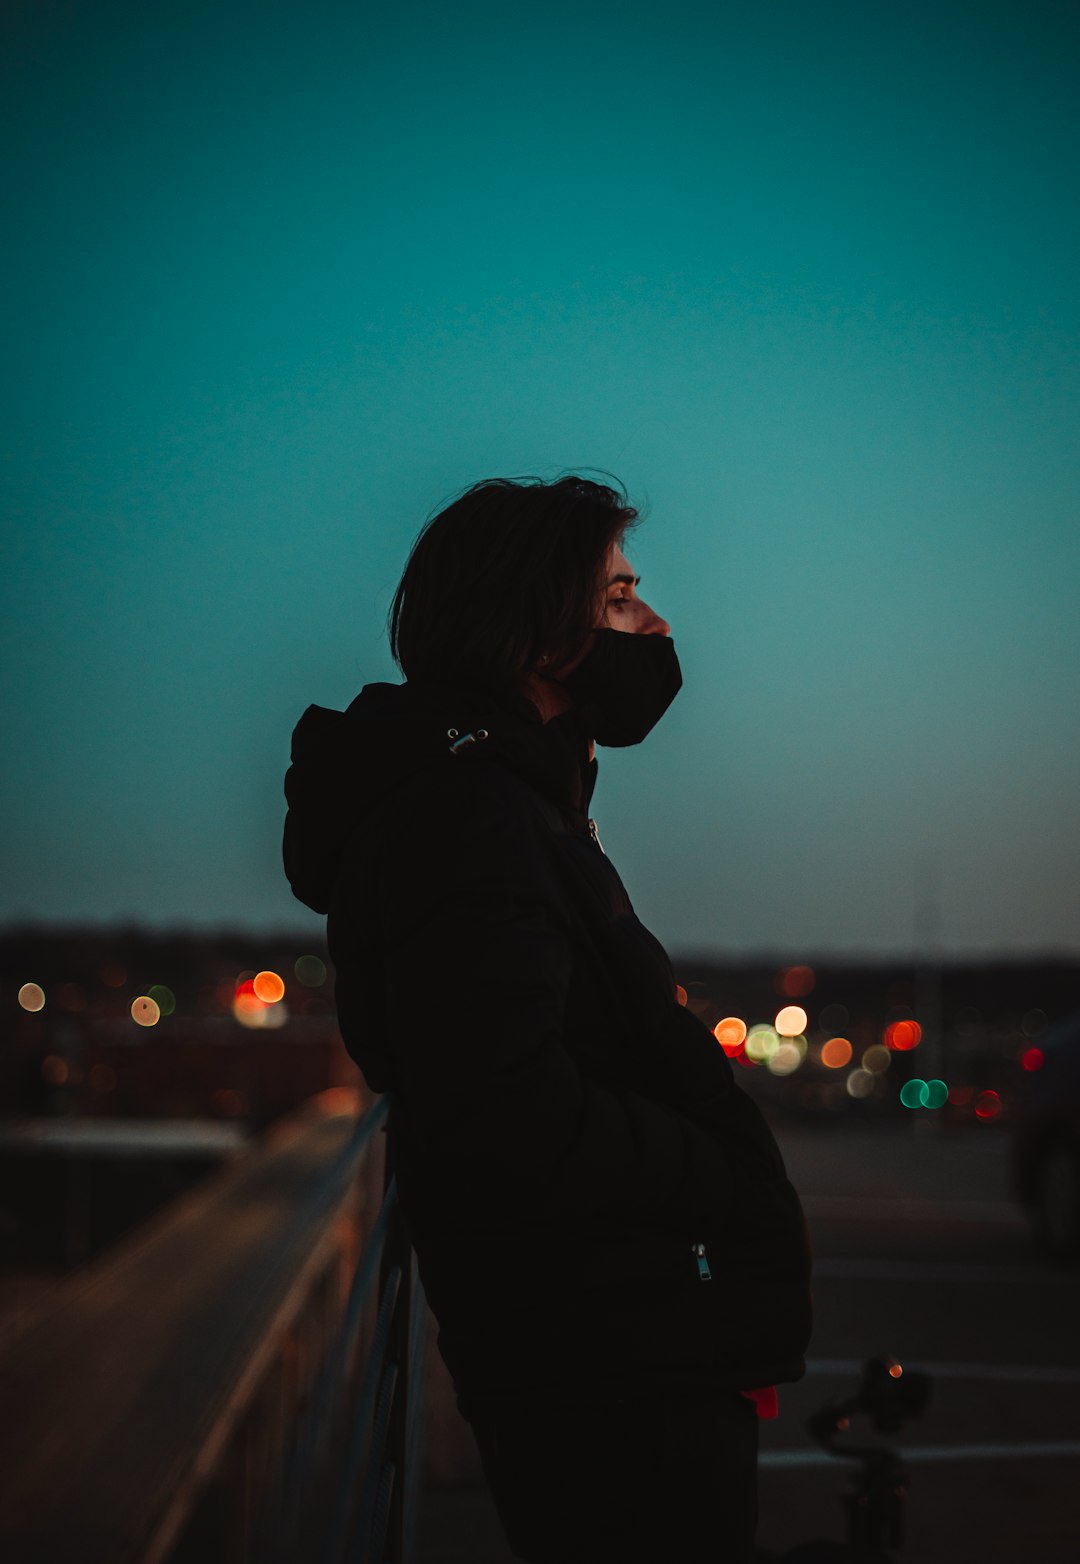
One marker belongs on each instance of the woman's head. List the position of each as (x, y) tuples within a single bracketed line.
[(512, 572)]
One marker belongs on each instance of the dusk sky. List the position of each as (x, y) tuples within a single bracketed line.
[(280, 279)]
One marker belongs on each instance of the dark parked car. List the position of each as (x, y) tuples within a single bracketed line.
[(1046, 1143)]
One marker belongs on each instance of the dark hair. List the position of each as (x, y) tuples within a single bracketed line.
[(507, 573)]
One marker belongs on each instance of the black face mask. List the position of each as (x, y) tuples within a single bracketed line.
[(624, 685)]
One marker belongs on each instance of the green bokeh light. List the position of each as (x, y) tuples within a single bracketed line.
[(163, 997), (914, 1094)]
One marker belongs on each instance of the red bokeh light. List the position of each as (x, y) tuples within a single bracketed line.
[(796, 981), (987, 1105), (730, 1033), (902, 1036), (1031, 1059)]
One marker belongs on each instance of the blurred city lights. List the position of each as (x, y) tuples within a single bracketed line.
[(730, 1033), (937, 1094), (790, 1021), (787, 1056), (145, 1011), (680, 994), (860, 1083), (54, 1069), (251, 1010), (311, 971), (903, 1035), (1031, 1059), (163, 997), (876, 1059), (795, 982), (836, 1053), (914, 1094), (268, 987), (761, 1042), (32, 996), (987, 1106)]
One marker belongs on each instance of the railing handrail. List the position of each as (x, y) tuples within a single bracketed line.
[(121, 1400)]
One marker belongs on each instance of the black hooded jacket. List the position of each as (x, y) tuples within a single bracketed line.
[(592, 1198)]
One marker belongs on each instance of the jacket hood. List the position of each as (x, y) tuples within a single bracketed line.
[(344, 764)]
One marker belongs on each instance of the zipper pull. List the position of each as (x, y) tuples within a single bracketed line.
[(594, 833), (704, 1274)]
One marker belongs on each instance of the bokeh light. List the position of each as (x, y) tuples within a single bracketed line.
[(32, 996), (1033, 1023), (144, 1011), (253, 1012), (730, 1033), (310, 971), (937, 1094), (163, 997), (903, 1035), (680, 994), (987, 1106), (836, 1053), (860, 1084), (787, 1056), (1031, 1059), (113, 975), (54, 1069), (913, 1093), (268, 987), (795, 982), (761, 1042), (790, 1021), (876, 1059)]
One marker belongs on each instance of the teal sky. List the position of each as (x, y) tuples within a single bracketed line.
[(280, 278)]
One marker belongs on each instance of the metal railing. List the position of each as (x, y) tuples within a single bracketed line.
[(365, 1507), (240, 1384)]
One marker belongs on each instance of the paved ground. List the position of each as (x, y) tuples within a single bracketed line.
[(920, 1253)]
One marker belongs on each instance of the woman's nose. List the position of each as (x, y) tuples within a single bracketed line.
[(654, 625)]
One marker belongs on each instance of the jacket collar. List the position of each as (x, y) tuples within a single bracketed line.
[(552, 757)]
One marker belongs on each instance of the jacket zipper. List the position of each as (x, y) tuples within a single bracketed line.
[(704, 1274), (594, 833)]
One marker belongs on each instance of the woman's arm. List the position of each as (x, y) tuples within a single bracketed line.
[(478, 968)]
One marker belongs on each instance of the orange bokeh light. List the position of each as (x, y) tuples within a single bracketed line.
[(903, 1035), (790, 1021), (268, 987), (730, 1033), (680, 994), (836, 1053)]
